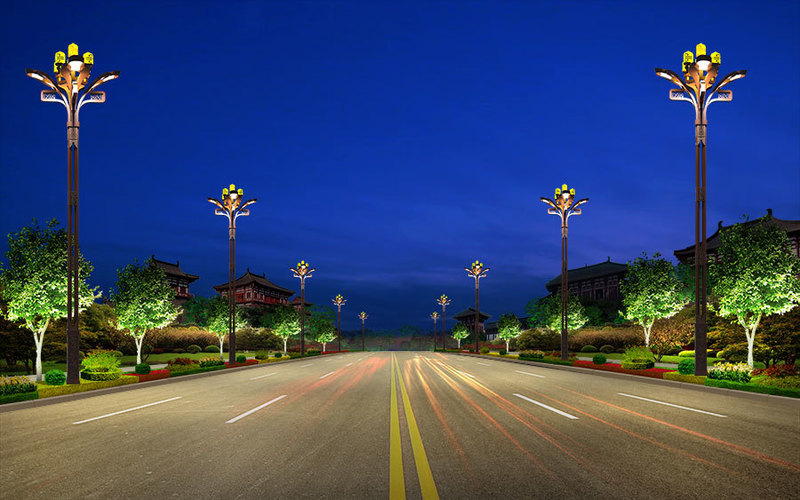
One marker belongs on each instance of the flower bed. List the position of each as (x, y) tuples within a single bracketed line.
[(613, 367), (246, 363), (153, 375)]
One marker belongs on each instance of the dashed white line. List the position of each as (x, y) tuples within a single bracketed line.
[(484, 364), (331, 373), (465, 373), (234, 419), (349, 364), (573, 417), (262, 376), (674, 406), (125, 411), (303, 366), (531, 374)]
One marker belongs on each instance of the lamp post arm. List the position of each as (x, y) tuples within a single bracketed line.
[(733, 75)]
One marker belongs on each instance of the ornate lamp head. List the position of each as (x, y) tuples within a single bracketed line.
[(339, 301), (303, 270), (363, 315), (443, 300)]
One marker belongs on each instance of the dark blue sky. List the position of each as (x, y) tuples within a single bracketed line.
[(391, 144)]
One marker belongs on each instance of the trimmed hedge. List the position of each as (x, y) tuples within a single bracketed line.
[(599, 359), (588, 348), (102, 376), (607, 349), (777, 391), (211, 348), (613, 367), (142, 369), (194, 349), (55, 377), (198, 369), (692, 379), (153, 375), (638, 364), (22, 396), (686, 366), (46, 391)]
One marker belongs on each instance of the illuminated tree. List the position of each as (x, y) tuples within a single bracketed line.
[(546, 313), (459, 333), (217, 315), (673, 332), (34, 282), (284, 322), (651, 290), (143, 301), (322, 325), (755, 276), (508, 328)]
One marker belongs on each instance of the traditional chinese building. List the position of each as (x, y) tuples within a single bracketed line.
[(791, 227), (598, 281), (177, 279), (467, 316), (492, 330), (254, 290)]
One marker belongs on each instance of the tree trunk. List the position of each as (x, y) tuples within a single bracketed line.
[(647, 334), (751, 337), (507, 342), (139, 341), (39, 340), (323, 346), (459, 343), (221, 343), (285, 340)]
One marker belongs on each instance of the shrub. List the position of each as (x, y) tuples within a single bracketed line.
[(791, 382), (241, 358), (637, 354), (16, 385), (484, 350), (181, 362), (142, 369), (639, 364), (312, 352), (503, 352), (193, 349), (55, 377), (735, 352), (178, 350), (617, 337), (262, 355), (206, 362), (607, 349), (102, 375), (100, 360), (117, 353), (599, 359), (589, 348), (278, 354), (733, 372), (212, 348), (531, 355), (690, 354), (777, 371), (537, 338), (686, 366)]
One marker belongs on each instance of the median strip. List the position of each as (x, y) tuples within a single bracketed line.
[(126, 411), (529, 373), (572, 417), (249, 412), (674, 406)]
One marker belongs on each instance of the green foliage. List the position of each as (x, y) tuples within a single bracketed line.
[(112, 374), (537, 338), (211, 348), (206, 362), (262, 355), (85, 385), (755, 275), (100, 360), (589, 348), (546, 312), (651, 290), (638, 365), (313, 352), (750, 387), (637, 353), (508, 327), (241, 358), (735, 372), (194, 349), (599, 359), (55, 377), (284, 321), (669, 334), (686, 366), (685, 377), (195, 311), (690, 354), (322, 324), (142, 369), (607, 349), (21, 396), (218, 314), (531, 355), (484, 350), (460, 332), (16, 385), (278, 354)]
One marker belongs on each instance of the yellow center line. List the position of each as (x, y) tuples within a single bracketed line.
[(426, 482), (397, 485)]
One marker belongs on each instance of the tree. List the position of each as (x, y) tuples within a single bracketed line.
[(651, 290), (284, 321), (195, 310), (546, 313), (143, 301), (508, 328), (755, 275), (217, 317), (321, 324), (34, 282), (671, 333), (460, 332)]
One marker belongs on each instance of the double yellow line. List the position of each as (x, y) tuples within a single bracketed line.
[(397, 487)]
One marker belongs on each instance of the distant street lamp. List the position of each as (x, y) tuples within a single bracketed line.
[(69, 87), (231, 206), (363, 317), (339, 301), (434, 317), (476, 271), (698, 87), (564, 205), (443, 301), (302, 271)]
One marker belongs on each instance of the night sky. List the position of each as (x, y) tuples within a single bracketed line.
[(392, 144)]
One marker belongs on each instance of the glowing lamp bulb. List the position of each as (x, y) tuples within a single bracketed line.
[(75, 63), (703, 62)]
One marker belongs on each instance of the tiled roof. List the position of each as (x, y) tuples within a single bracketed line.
[(470, 313), (173, 269), (248, 278), (589, 272)]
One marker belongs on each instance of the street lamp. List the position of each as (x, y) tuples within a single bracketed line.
[(443, 301), (700, 88), (69, 87), (564, 205), (476, 271), (231, 206), (302, 271), (434, 317), (363, 317), (339, 301)]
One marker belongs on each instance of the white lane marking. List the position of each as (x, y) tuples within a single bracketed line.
[(529, 373), (359, 359), (303, 366), (331, 373), (573, 417), (262, 376), (484, 364), (349, 364), (234, 419), (465, 373), (670, 404), (126, 411)]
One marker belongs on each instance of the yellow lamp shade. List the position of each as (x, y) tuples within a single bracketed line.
[(232, 187), (224, 192), (716, 58), (688, 57), (700, 50), (88, 58), (240, 191), (72, 49), (572, 192), (564, 187), (61, 58)]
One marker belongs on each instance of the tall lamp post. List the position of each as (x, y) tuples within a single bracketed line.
[(564, 205), (339, 301), (302, 271), (69, 87), (231, 206), (363, 317), (443, 301), (476, 271), (434, 317), (699, 86)]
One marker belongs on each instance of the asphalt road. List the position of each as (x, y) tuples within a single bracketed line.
[(346, 426)]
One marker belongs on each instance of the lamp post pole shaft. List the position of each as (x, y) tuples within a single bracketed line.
[(73, 275), (700, 250), (444, 330), (232, 294), (564, 292), (302, 316), (339, 328), (477, 314), (362, 335)]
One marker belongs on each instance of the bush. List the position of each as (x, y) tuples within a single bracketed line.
[(117, 353), (607, 349), (537, 338), (193, 349), (241, 358), (142, 369), (618, 337), (738, 372), (312, 352), (686, 366), (484, 350), (638, 364), (16, 385), (55, 377), (100, 360), (599, 359), (211, 348), (791, 382), (589, 348), (278, 354), (777, 371), (531, 355), (262, 354), (734, 353), (503, 352), (102, 375), (206, 362), (181, 362), (637, 354), (690, 354)]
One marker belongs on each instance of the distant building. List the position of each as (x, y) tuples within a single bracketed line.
[(467, 316), (492, 330), (791, 227), (177, 279), (254, 290), (598, 281)]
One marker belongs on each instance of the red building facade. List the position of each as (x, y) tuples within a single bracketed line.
[(176, 278), (254, 290)]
